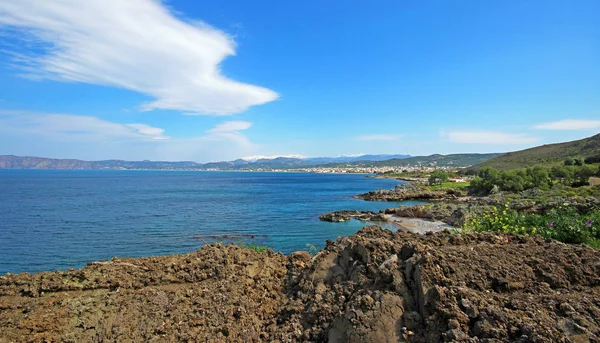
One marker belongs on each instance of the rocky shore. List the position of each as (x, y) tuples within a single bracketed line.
[(455, 207), (345, 215), (374, 286), (405, 221), (410, 191)]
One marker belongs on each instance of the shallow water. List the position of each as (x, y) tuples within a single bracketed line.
[(62, 219)]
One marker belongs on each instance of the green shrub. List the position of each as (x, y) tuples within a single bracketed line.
[(253, 246), (258, 248), (312, 249), (563, 224)]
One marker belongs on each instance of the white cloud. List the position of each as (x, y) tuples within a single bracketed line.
[(134, 44), (379, 137), (147, 130), (71, 127), (489, 137), (91, 138), (570, 124), (230, 126)]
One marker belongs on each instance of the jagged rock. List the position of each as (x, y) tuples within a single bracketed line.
[(374, 286), (411, 191), (342, 216)]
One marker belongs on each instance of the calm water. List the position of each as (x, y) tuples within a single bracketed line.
[(61, 219)]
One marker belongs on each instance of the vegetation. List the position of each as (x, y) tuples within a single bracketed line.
[(406, 174), (489, 179), (452, 160), (438, 176), (593, 159), (258, 248), (450, 185), (312, 249), (563, 224), (547, 155)]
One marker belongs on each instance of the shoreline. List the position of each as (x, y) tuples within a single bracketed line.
[(375, 285)]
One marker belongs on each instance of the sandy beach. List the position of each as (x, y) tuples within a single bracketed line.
[(417, 225)]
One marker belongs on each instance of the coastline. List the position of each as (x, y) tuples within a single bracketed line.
[(420, 283), (373, 286)]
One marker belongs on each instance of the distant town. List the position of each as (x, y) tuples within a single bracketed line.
[(346, 170)]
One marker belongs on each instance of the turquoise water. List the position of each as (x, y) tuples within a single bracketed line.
[(62, 219)]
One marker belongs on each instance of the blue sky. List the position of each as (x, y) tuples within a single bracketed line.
[(219, 80)]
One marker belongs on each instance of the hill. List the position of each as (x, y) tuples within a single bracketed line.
[(548, 154), (452, 160), (27, 162)]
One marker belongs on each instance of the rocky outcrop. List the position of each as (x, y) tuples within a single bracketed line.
[(342, 216), (452, 213), (374, 286), (410, 191), (218, 293), (379, 286), (457, 212)]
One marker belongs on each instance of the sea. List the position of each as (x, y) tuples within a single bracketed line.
[(56, 220)]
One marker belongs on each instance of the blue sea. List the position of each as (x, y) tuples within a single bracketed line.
[(53, 220)]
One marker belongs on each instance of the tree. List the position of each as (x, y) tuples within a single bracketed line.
[(578, 162), (438, 176), (583, 174), (592, 159), (569, 162), (538, 177), (560, 173), (486, 179), (512, 181)]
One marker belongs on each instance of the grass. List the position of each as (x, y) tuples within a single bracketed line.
[(312, 249), (545, 155), (452, 185), (258, 248), (252, 246)]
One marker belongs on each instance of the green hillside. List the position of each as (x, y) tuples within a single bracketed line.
[(452, 160), (549, 154)]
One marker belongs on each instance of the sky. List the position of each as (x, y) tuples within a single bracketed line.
[(220, 80)]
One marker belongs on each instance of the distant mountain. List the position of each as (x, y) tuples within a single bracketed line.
[(548, 154), (19, 162), (452, 160), (456, 160), (342, 159)]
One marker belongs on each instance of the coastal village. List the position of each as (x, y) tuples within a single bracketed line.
[(353, 170)]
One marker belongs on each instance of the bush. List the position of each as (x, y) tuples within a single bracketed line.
[(255, 247), (563, 224), (593, 159), (438, 176), (536, 177)]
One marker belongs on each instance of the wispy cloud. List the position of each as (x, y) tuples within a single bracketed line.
[(230, 126), (379, 137), (71, 127), (489, 137), (87, 137), (570, 124), (154, 132), (135, 44)]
